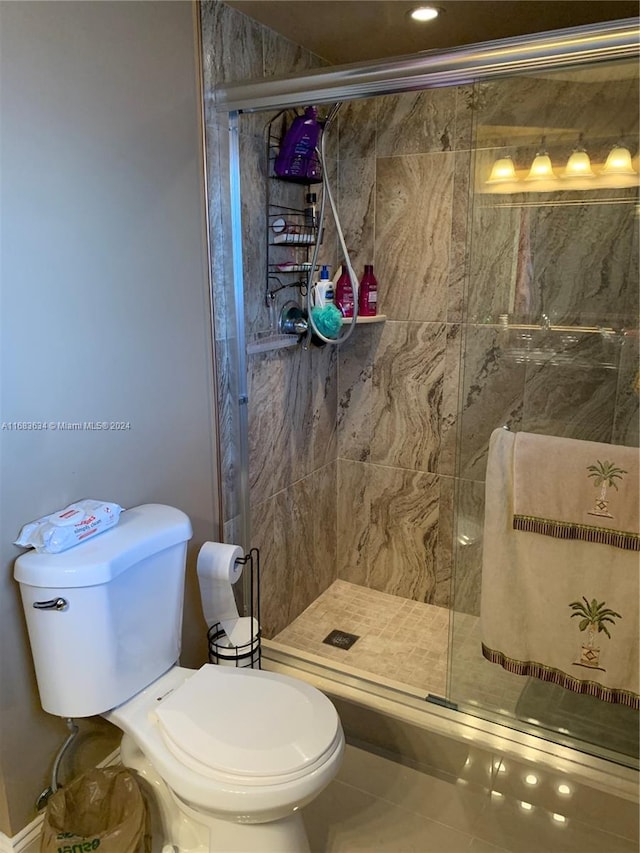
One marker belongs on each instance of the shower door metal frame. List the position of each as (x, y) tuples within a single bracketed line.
[(235, 204), (434, 69)]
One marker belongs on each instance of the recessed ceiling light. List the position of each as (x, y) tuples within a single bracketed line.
[(424, 13)]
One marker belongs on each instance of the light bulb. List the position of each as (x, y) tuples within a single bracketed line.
[(502, 170), (619, 162), (541, 169), (578, 165), (424, 13)]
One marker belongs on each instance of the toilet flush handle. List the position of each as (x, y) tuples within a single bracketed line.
[(52, 604)]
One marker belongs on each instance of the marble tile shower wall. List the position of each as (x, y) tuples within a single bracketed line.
[(405, 166), (292, 393), (373, 433)]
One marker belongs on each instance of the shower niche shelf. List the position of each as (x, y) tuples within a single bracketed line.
[(365, 321)]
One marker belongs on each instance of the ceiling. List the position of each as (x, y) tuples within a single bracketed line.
[(343, 31)]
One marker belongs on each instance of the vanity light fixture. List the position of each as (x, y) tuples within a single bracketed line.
[(619, 162), (502, 170), (541, 168), (422, 14), (579, 164), (578, 174)]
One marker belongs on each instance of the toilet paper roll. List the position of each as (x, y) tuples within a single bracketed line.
[(217, 572), (239, 646)]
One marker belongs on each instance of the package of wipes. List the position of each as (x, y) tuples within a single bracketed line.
[(68, 527)]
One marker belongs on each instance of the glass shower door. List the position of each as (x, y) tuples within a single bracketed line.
[(549, 341)]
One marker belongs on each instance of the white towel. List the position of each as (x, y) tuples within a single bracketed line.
[(542, 595), (554, 494)]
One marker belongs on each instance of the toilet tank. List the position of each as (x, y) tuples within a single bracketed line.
[(105, 618)]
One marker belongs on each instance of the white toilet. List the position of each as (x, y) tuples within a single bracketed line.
[(231, 755)]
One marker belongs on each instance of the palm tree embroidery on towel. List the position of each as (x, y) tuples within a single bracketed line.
[(565, 514), (604, 474), (594, 615)]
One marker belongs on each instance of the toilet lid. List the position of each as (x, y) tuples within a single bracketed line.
[(247, 723)]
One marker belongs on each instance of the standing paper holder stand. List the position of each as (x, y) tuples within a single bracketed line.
[(245, 652)]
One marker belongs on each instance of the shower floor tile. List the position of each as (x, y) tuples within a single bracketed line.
[(407, 645), (399, 640)]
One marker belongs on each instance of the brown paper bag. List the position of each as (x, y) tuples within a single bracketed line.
[(102, 809)]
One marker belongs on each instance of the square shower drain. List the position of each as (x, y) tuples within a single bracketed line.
[(340, 639)]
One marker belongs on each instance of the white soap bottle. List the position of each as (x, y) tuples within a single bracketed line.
[(323, 292)]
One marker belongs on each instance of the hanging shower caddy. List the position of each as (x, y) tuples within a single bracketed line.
[(248, 654), (292, 221), (293, 229)]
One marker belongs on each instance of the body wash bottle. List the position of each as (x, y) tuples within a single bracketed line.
[(368, 295)]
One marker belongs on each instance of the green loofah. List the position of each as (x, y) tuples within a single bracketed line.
[(328, 320)]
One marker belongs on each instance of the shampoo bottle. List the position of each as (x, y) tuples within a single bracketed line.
[(368, 295), (297, 159), (344, 293)]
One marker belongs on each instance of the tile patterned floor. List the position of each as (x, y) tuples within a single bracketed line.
[(400, 640), (406, 645), (405, 642), (379, 806)]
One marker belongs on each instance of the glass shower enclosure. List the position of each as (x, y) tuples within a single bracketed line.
[(358, 470)]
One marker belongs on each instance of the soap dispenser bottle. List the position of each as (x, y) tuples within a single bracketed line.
[(323, 289), (368, 294)]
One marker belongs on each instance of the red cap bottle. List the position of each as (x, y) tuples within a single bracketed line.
[(368, 295)]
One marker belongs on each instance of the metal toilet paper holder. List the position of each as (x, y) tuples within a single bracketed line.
[(247, 654)]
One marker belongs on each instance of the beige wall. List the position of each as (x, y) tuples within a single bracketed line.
[(105, 309)]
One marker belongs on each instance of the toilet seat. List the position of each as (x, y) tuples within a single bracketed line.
[(218, 792), (247, 726)]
